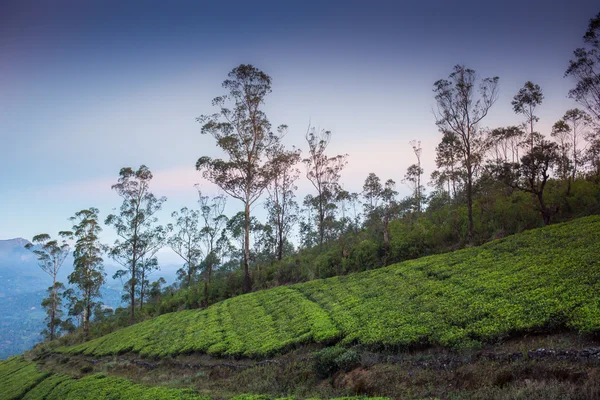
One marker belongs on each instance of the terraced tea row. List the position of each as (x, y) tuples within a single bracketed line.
[(542, 278), (20, 379)]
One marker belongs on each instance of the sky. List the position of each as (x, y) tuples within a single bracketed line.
[(87, 88)]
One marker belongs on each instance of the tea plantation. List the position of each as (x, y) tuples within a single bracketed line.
[(20, 379), (541, 279)]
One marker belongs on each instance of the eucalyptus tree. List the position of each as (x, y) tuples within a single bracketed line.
[(578, 123), (504, 144), (212, 229), (525, 102), (412, 177), (461, 106), (281, 205), (136, 225), (242, 130), (447, 160), (51, 254), (88, 273), (585, 69), (186, 242), (324, 174), (380, 207)]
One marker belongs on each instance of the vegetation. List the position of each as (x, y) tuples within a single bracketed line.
[(21, 379), (539, 279)]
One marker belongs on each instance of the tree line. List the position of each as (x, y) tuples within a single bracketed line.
[(489, 182)]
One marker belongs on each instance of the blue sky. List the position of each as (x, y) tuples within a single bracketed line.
[(89, 87)]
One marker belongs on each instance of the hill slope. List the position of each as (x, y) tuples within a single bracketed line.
[(540, 279)]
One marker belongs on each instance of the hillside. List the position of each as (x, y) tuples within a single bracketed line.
[(541, 279), (515, 318)]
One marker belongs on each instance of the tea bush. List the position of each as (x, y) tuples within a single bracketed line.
[(540, 279)]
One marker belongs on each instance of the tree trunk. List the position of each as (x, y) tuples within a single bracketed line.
[(247, 281), (54, 307), (386, 242), (545, 212), (470, 202), (132, 299)]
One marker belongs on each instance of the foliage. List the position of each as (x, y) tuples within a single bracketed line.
[(88, 272), (139, 236), (539, 279), (51, 255), (586, 72), (20, 379), (333, 359), (244, 134), (461, 106)]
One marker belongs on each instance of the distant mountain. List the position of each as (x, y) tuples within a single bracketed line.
[(23, 285)]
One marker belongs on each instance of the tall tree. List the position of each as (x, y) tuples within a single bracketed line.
[(578, 122), (244, 134), (185, 241), (447, 159), (380, 207), (213, 224), (281, 204), (585, 69), (461, 106), (324, 174), (136, 226), (417, 149), (88, 273), (525, 102), (51, 254)]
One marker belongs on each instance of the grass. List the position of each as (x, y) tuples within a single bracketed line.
[(541, 279)]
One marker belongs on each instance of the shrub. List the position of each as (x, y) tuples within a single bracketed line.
[(333, 359)]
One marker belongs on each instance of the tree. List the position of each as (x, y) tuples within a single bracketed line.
[(416, 145), (324, 174), (244, 134), (412, 177), (459, 112), (585, 69), (51, 254), (213, 224), (560, 132), (280, 204), (525, 102), (532, 173), (504, 143), (186, 242), (448, 161), (380, 207), (148, 264), (578, 122), (136, 226), (88, 273)]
